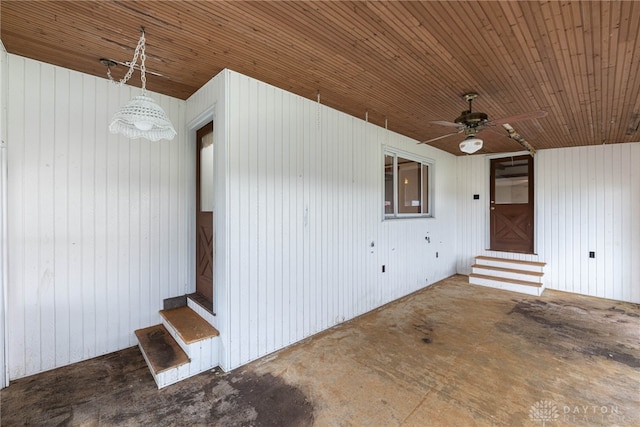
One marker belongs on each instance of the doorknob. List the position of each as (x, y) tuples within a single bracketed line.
[(493, 208)]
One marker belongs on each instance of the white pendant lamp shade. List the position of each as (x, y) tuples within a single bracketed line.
[(142, 118), (470, 145)]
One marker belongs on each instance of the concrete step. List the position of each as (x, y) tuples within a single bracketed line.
[(513, 285)]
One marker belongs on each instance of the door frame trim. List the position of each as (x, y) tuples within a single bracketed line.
[(201, 120)]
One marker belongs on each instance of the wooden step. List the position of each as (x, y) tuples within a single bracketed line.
[(507, 284), (505, 280), (160, 349), (507, 273), (508, 270), (511, 261), (188, 325)]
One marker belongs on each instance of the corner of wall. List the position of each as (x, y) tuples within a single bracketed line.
[(206, 104)]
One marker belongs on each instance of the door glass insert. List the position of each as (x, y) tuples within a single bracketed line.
[(512, 182), (206, 173)]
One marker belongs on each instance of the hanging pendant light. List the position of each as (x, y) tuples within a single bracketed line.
[(141, 117)]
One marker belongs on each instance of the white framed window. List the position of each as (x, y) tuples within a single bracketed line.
[(407, 185)]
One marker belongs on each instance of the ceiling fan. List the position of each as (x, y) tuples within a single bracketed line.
[(471, 123)]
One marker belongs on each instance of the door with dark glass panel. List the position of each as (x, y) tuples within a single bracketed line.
[(511, 209)]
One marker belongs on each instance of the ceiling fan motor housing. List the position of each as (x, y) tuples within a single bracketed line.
[(471, 119)]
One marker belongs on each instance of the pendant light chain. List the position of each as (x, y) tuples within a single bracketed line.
[(141, 117), (139, 52), (143, 56)]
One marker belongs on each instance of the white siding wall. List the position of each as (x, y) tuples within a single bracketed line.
[(97, 223), (4, 377), (303, 193), (586, 199)]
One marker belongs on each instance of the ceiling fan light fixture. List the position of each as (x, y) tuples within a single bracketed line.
[(470, 145)]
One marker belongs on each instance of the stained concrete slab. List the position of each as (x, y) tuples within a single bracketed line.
[(452, 354)]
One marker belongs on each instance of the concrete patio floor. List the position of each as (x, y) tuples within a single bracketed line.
[(452, 354)]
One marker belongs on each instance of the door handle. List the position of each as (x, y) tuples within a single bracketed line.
[(493, 208)]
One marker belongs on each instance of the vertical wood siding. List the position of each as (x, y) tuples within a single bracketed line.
[(304, 206), (4, 377), (586, 199), (97, 222), (589, 199)]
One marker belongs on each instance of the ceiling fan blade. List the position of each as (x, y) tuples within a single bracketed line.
[(520, 117), (449, 124), (493, 131), (440, 137)]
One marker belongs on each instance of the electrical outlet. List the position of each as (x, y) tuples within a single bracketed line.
[(592, 254), (436, 254), (383, 268)]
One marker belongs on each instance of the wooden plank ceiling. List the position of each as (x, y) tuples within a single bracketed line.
[(406, 63)]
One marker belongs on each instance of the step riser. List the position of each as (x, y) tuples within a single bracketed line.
[(203, 353), (210, 318), (507, 275), (507, 264), (168, 377), (172, 376), (529, 290), (198, 365), (203, 356)]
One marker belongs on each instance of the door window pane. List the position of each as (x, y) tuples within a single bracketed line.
[(512, 182), (206, 173)]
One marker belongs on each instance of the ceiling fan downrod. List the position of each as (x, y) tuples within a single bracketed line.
[(469, 118), (469, 97)]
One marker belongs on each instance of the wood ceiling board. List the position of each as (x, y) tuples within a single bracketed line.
[(406, 62)]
